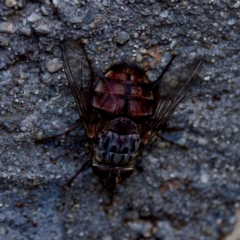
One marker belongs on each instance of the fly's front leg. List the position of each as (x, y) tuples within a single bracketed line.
[(75, 126)]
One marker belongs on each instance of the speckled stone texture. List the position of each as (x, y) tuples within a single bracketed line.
[(174, 193)]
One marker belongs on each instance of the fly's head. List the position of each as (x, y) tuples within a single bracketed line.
[(111, 175)]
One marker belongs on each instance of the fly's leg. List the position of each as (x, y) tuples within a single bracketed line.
[(83, 167), (75, 126), (185, 147)]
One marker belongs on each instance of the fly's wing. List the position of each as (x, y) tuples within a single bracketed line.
[(79, 74), (170, 92), (91, 90)]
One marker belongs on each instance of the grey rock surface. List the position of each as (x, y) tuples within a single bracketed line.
[(179, 194)]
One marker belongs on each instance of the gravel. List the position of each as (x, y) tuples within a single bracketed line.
[(173, 193)]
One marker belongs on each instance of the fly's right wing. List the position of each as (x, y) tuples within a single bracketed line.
[(169, 94), (173, 91)]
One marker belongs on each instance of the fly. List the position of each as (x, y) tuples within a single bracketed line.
[(121, 110)]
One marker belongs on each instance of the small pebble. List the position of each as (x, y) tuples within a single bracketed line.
[(44, 10), (162, 145), (55, 3), (122, 37), (26, 31), (207, 78), (142, 227), (75, 19), (7, 27), (10, 3), (34, 17), (107, 237), (237, 4), (21, 3), (146, 12), (4, 41), (205, 178), (202, 141), (39, 136), (105, 3), (144, 51), (173, 43), (232, 21), (164, 14), (43, 29), (54, 65), (139, 58)]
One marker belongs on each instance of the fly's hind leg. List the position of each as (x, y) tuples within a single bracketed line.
[(85, 165), (75, 126)]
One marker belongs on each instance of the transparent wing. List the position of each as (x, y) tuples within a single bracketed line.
[(170, 92), (79, 74)]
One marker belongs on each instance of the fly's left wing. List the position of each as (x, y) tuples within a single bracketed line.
[(79, 74), (92, 92)]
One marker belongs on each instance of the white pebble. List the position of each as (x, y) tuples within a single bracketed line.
[(54, 65), (10, 3), (7, 27), (205, 178), (34, 17)]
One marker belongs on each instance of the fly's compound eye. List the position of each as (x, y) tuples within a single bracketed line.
[(109, 174)]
